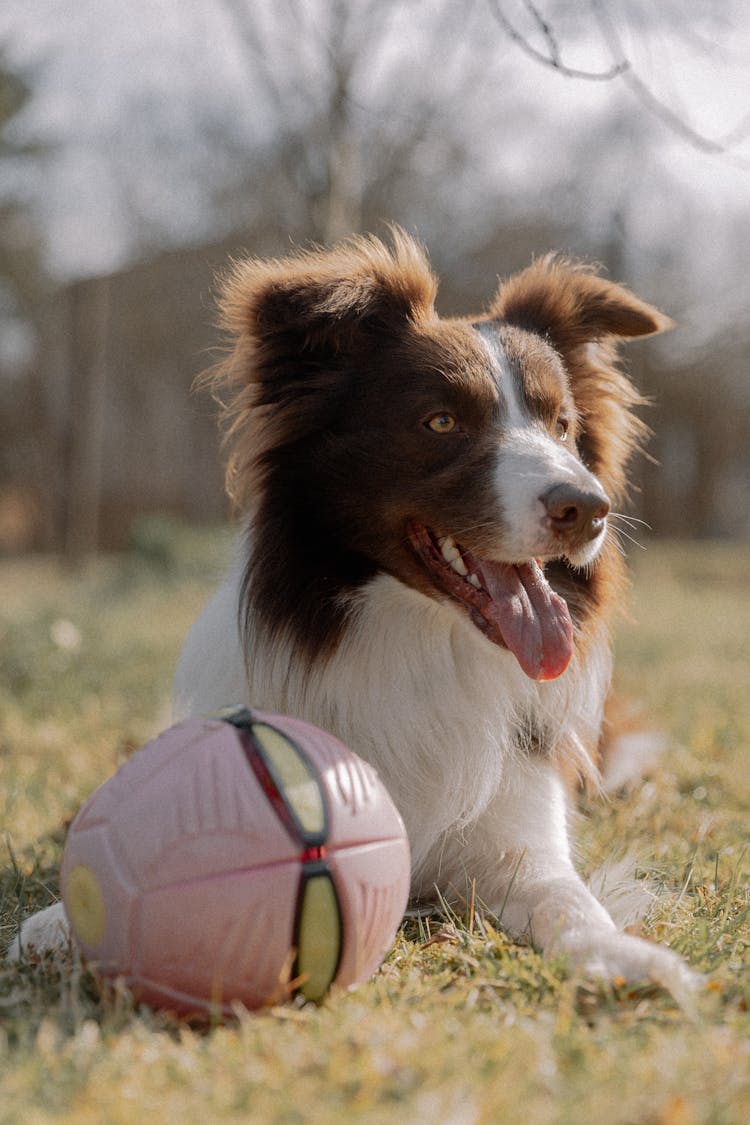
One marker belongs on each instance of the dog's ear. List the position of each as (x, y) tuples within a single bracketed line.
[(568, 304), (584, 316), (325, 301), (293, 324)]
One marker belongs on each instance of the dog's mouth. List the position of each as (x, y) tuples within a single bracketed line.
[(513, 605)]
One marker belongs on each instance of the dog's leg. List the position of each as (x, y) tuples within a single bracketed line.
[(535, 889)]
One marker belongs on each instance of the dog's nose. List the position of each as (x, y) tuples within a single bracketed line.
[(575, 512)]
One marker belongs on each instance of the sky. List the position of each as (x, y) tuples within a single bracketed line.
[(130, 96)]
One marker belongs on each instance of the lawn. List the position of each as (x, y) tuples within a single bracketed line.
[(459, 1025)]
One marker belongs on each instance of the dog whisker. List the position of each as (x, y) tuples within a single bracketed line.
[(616, 543), (620, 534), (631, 521)]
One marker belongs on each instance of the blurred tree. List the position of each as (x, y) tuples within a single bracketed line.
[(19, 259), (369, 111), (312, 119), (25, 460)]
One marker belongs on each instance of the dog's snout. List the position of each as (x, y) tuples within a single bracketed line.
[(576, 513)]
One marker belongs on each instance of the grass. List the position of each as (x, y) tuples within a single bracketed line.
[(459, 1025)]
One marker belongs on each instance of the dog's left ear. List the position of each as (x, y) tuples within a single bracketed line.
[(571, 306), (583, 317)]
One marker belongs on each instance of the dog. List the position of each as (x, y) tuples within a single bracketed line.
[(428, 569)]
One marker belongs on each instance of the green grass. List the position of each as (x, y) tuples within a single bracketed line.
[(459, 1025)]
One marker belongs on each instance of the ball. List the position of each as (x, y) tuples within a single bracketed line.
[(244, 858)]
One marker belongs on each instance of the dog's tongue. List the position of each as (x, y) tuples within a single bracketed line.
[(525, 614)]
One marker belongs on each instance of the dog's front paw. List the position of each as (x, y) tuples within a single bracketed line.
[(614, 956), (46, 933)]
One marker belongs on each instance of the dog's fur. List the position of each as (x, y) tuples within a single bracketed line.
[(364, 428), (424, 496)]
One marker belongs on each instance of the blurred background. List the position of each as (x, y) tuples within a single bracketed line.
[(143, 143)]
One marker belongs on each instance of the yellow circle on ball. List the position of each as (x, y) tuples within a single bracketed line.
[(85, 905)]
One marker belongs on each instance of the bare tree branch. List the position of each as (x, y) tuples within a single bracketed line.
[(553, 59), (546, 30), (646, 95), (621, 68)]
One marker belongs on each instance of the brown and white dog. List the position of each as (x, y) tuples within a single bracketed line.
[(428, 570)]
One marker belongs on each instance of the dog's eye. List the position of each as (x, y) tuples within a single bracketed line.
[(561, 429), (442, 424)]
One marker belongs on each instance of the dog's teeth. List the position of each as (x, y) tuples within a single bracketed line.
[(449, 549), (452, 555), (474, 581)]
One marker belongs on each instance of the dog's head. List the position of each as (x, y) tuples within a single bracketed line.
[(463, 456)]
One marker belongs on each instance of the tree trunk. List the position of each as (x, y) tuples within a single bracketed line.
[(89, 325)]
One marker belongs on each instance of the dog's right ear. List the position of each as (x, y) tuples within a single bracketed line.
[(292, 323), (569, 304), (326, 301)]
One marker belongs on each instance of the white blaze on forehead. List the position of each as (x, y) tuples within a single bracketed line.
[(515, 410)]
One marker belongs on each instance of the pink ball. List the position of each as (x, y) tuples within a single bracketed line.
[(238, 859)]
